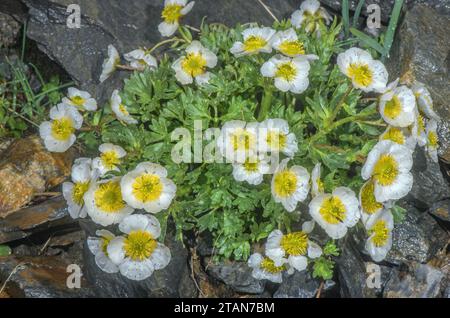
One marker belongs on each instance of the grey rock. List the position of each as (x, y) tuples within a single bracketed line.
[(441, 210), (9, 29), (35, 219), (301, 285), (81, 51), (415, 281), (429, 185), (163, 283), (420, 52), (418, 238), (236, 275)]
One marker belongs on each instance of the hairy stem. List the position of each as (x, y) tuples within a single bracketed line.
[(265, 103), (339, 106)]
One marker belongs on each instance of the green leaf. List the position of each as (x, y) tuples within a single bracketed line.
[(330, 249), (358, 12), (389, 37), (323, 268), (346, 16), (5, 250), (398, 213), (367, 40)]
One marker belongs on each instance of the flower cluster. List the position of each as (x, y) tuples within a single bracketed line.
[(277, 141)]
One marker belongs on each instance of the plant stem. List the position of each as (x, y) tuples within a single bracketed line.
[(126, 68), (23, 117), (265, 102), (157, 45), (339, 106)]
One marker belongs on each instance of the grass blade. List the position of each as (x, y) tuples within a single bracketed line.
[(358, 12), (346, 16), (368, 40), (390, 32)]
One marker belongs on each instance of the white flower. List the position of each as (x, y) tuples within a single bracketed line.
[(310, 15), (171, 14), (401, 136), (366, 73), (380, 235), (293, 248), (291, 74), (290, 185), (432, 140), (255, 40), (398, 107), (370, 207), (98, 246), (274, 137), (140, 59), (58, 134), (264, 268), (82, 176), (418, 129), (104, 202), (120, 110), (147, 187), (389, 165), (424, 100), (287, 43), (110, 157), (193, 65), (252, 170), (335, 212), (317, 184), (238, 140), (80, 99), (138, 254), (110, 63)]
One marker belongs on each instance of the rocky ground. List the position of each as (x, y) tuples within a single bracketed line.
[(44, 240)]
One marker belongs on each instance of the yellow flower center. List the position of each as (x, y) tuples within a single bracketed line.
[(110, 159), (254, 43), (393, 108), (368, 202), (105, 242), (268, 265), (285, 183), (78, 191), (394, 134), (295, 243), (286, 71), (139, 245), (420, 124), (147, 187), (78, 101), (62, 128), (194, 64), (432, 139), (386, 170), (276, 140), (108, 197), (172, 13), (123, 109), (333, 210), (320, 186), (292, 48), (250, 166), (380, 233), (360, 73), (242, 140)]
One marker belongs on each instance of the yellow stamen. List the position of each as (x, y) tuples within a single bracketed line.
[(254, 43), (333, 210), (380, 233), (268, 265), (292, 48), (287, 71), (276, 140), (385, 171), (394, 134), (251, 166), (110, 159), (62, 128), (147, 187), (295, 243), (360, 73), (368, 202), (242, 139), (139, 245), (108, 197), (432, 139), (194, 64), (123, 109), (393, 108), (78, 100), (172, 13), (285, 183), (78, 191), (105, 242)]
